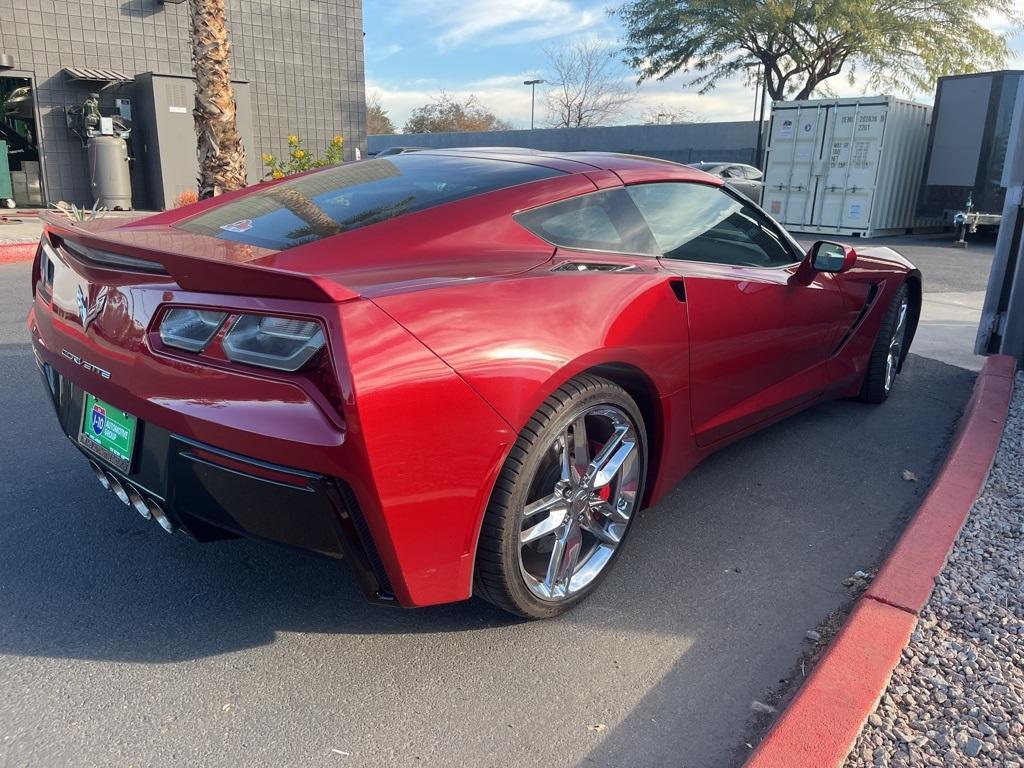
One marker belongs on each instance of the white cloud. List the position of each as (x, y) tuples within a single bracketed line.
[(376, 54), (497, 22)]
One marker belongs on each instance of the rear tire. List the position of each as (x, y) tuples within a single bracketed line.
[(887, 354), (564, 500)]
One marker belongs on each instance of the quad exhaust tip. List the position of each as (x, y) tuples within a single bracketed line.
[(139, 503), (119, 490), (100, 475), (159, 516), (146, 507)]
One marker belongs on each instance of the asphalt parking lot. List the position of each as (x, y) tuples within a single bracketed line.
[(121, 645)]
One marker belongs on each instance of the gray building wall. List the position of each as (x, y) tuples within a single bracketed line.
[(680, 142), (303, 60)]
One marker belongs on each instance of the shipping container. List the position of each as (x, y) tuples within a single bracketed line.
[(967, 144), (846, 166)]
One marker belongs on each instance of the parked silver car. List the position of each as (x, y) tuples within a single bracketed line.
[(745, 179)]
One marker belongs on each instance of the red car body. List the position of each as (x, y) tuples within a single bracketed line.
[(445, 329)]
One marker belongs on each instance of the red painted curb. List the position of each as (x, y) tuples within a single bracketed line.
[(821, 724), (15, 252), (908, 576)]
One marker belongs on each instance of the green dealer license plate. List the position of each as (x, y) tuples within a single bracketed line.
[(108, 432)]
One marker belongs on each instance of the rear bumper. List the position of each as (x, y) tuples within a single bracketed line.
[(215, 494)]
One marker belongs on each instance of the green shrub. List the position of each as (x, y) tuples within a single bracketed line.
[(300, 159)]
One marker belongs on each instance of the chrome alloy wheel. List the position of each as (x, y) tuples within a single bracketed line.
[(892, 360), (583, 496)]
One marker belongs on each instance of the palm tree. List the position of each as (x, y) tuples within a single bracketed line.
[(317, 221), (220, 150)]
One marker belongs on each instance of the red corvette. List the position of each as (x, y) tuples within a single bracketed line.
[(461, 371)]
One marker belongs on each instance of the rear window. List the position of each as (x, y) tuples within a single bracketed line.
[(354, 195), (600, 221)]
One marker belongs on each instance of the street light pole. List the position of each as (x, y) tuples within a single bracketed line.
[(533, 96)]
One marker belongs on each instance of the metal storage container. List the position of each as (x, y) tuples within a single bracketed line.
[(846, 166), (967, 143)]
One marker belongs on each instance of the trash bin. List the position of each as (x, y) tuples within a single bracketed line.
[(6, 189)]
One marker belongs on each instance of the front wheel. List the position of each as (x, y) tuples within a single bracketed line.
[(564, 500), (887, 354)]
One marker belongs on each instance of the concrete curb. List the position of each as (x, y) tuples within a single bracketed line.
[(820, 726), (11, 253)]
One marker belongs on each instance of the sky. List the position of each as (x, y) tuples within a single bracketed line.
[(416, 48)]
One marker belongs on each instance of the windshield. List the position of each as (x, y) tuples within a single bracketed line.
[(354, 195)]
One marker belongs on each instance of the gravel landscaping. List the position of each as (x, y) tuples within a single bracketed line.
[(957, 696)]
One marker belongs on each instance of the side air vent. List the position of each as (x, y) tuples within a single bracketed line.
[(588, 266), (868, 303), (678, 289)]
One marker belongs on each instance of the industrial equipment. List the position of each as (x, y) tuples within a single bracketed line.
[(6, 190), (105, 140), (167, 150)]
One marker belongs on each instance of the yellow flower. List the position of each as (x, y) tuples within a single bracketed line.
[(276, 174), (268, 158), (337, 140), (298, 154), (293, 139)]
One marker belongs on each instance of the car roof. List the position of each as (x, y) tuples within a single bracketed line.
[(636, 167)]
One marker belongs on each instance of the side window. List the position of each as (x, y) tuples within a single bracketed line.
[(698, 222), (599, 221)]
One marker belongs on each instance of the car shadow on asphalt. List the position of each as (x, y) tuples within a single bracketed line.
[(83, 577)]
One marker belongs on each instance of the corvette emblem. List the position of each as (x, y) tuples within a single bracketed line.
[(86, 313)]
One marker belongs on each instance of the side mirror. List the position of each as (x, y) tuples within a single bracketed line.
[(826, 256)]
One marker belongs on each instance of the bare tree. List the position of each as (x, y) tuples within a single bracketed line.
[(586, 86), (378, 121), (660, 114), (220, 150)]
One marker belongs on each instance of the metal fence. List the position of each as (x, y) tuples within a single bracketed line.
[(680, 142)]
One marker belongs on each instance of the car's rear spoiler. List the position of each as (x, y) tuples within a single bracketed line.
[(195, 262)]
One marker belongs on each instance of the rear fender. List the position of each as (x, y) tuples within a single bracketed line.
[(424, 452), (630, 327)]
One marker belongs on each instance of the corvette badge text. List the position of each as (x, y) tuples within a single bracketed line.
[(85, 364)]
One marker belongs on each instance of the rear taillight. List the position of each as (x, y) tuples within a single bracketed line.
[(47, 259), (190, 329), (269, 341), (283, 343)]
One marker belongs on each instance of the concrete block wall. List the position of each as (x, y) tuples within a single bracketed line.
[(680, 142), (303, 60)]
